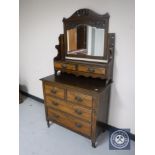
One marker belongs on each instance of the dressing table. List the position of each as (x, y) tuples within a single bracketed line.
[(77, 95)]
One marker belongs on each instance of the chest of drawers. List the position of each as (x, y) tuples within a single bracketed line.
[(77, 103)]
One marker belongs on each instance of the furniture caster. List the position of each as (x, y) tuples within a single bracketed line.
[(93, 144)]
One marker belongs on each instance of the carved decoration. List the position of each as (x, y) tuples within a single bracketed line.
[(88, 17)]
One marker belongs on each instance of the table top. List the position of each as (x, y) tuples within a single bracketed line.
[(94, 84)]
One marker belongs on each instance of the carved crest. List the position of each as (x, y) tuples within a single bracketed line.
[(88, 17)]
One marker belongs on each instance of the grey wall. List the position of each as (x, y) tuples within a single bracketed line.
[(40, 26)]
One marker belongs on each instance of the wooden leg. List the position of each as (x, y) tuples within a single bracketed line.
[(48, 124), (55, 72)]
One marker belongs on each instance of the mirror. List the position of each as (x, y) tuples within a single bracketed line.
[(85, 40)]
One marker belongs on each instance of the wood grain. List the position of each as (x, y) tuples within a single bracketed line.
[(54, 91), (70, 122), (75, 96), (72, 109)]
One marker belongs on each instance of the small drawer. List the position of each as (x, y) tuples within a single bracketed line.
[(89, 69), (60, 65), (69, 122), (69, 108), (54, 91), (80, 98)]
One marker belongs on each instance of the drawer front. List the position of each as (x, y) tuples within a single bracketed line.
[(69, 108), (96, 70), (70, 122), (80, 98), (60, 65), (55, 91)]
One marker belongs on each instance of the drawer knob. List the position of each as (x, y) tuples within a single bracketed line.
[(92, 70), (55, 103), (78, 98), (53, 91), (78, 125), (64, 65), (79, 112)]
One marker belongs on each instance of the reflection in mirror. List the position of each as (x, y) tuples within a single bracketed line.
[(85, 40)]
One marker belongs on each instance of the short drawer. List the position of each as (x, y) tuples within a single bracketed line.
[(54, 91), (69, 122), (80, 98), (89, 69), (69, 108), (60, 65)]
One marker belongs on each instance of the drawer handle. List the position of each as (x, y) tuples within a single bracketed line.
[(79, 112), (53, 91), (55, 103), (64, 65), (78, 125), (92, 70), (78, 98)]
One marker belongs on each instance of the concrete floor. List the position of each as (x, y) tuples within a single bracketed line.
[(37, 139)]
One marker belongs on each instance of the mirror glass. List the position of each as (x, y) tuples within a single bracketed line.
[(85, 40)]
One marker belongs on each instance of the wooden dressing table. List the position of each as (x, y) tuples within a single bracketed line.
[(77, 95)]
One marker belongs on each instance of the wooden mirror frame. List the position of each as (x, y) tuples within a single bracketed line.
[(96, 68), (91, 18)]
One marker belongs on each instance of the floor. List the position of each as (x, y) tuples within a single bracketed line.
[(37, 139)]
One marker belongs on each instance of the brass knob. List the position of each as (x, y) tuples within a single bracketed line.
[(64, 65), (79, 112), (55, 103), (91, 70), (53, 91), (78, 98), (78, 125)]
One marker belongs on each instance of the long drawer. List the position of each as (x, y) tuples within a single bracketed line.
[(69, 122), (70, 108), (80, 98), (54, 91)]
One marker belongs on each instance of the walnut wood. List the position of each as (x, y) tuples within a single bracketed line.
[(70, 108), (91, 69), (60, 65), (70, 122), (88, 17), (92, 99), (77, 95), (54, 91)]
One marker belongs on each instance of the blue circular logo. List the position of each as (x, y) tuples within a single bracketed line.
[(119, 139)]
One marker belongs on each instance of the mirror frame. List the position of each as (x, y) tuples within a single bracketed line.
[(87, 17)]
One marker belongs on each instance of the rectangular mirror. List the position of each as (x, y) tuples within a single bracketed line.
[(85, 40)]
